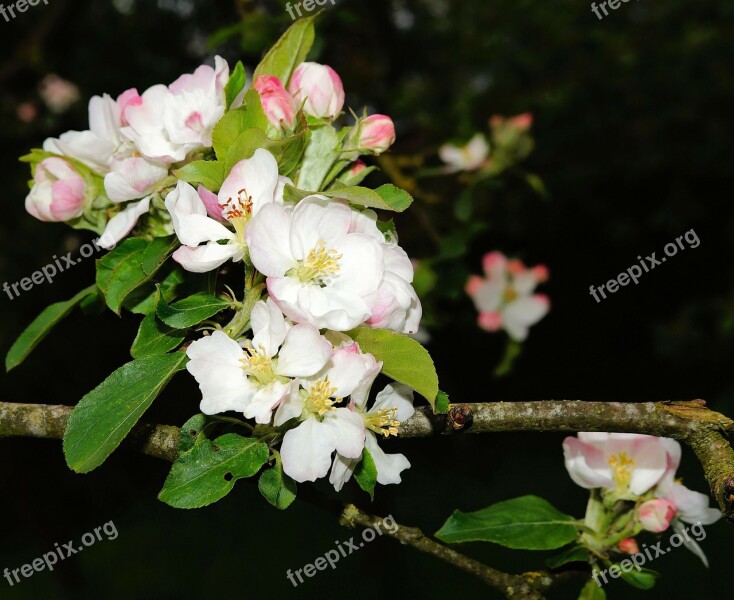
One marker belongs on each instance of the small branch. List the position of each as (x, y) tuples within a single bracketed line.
[(691, 422), (527, 586)]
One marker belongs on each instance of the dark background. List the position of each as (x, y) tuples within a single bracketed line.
[(633, 135)]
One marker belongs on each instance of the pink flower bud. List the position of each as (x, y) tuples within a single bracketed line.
[(628, 546), (321, 89), (278, 104), (655, 515), (490, 320), (58, 193), (376, 134)]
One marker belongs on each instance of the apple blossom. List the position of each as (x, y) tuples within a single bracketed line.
[(58, 192), (505, 297), (58, 93), (254, 380), (326, 427), (319, 88), (470, 157), (252, 184), (373, 134), (330, 266), (393, 405), (278, 104), (628, 546), (170, 122), (627, 464), (655, 515)]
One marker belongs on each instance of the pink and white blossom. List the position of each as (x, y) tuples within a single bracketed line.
[(505, 297), (58, 192), (278, 104), (319, 88), (469, 157), (374, 134), (655, 515)]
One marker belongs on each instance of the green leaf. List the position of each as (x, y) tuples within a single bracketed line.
[(642, 580), (190, 432), (236, 82), (366, 473), (190, 311), (404, 359), (155, 338), (285, 150), (442, 403), (525, 523), (236, 122), (143, 300), (41, 326), (130, 265), (107, 414), (385, 197), (570, 554), (289, 51), (277, 487), (321, 153), (208, 471), (592, 591), (209, 173)]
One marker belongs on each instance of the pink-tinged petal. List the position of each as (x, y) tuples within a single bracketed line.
[(389, 466), (672, 447), (105, 118), (250, 184), (586, 465), (395, 395), (541, 273), (651, 461), (211, 203), (691, 506), (206, 258), (133, 178), (320, 87), (68, 198), (348, 430), (494, 264), (278, 104), (656, 515), (267, 239), (189, 220), (490, 321), (524, 283), (523, 313), (489, 295), (304, 352), (126, 99), (265, 400), (348, 370), (215, 363), (306, 450), (122, 223), (268, 327), (473, 285)]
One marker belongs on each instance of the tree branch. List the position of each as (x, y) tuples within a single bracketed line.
[(691, 422)]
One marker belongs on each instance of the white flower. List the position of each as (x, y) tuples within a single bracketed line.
[(172, 121), (325, 266), (393, 406), (251, 184), (505, 298), (254, 380), (306, 450), (466, 158), (626, 463)]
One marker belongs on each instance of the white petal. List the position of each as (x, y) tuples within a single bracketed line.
[(349, 369), (267, 239), (265, 400), (489, 296), (133, 178), (586, 464), (122, 223), (215, 363), (396, 395), (389, 466), (306, 450), (258, 176), (361, 265), (205, 258), (341, 471), (268, 327), (692, 545), (290, 407), (348, 430), (304, 353), (317, 219)]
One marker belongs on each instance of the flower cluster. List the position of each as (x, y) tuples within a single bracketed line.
[(505, 296), (283, 202), (638, 491)]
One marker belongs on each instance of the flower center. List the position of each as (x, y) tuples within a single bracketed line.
[(258, 365), (510, 294), (319, 399), (622, 465), (320, 264), (238, 211), (383, 421)]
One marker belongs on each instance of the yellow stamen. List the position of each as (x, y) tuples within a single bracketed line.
[(320, 264), (320, 399), (383, 421), (622, 465), (257, 364)]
